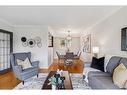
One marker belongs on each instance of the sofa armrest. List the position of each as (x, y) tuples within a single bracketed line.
[(17, 68), (86, 71), (35, 63)]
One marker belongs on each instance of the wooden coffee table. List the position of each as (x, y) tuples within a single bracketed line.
[(67, 81)]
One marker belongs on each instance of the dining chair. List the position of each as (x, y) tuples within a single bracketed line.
[(78, 56), (60, 57), (69, 55), (68, 59)]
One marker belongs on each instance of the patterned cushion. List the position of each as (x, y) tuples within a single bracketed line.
[(120, 75), (25, 64)]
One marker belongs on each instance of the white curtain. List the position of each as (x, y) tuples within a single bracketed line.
[(4, 51)]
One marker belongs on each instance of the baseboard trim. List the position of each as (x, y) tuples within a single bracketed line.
[(5, 71), (43, 70)]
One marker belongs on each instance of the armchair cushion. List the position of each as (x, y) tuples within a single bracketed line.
[(28, 70), (25, 64), (18, 68)]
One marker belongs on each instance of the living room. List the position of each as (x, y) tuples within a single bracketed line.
[(99, 26)]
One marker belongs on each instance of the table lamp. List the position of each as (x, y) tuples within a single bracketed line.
[(95, 51)]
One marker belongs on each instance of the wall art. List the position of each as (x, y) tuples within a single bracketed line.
[(87, 43), (50, 40), (31, 42)]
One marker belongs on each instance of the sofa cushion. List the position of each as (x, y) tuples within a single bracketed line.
[(124, 61), (101, 82), (112, 64), (107, 58), (98, 73)]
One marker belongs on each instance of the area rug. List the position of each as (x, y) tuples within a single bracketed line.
[(35, 83), (79, 83)]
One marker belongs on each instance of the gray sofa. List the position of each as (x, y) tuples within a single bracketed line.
[(103, 80)]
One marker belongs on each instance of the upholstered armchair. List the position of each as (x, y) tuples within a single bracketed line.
[(23, 74)]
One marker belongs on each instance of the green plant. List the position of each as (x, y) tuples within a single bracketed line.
[(52, 81)]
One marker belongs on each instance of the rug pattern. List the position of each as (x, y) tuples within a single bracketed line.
[(78, 82)]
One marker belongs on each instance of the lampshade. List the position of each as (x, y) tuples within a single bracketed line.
[(95, 49)]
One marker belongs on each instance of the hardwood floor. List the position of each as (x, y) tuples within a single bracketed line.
[(8, 80), (76, 67)]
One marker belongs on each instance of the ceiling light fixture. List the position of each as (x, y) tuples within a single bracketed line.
[(69, 36)]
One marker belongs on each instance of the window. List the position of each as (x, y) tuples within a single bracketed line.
[(6, 47)]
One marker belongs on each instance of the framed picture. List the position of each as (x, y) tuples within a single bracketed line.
[(50, 40), (87, 43)]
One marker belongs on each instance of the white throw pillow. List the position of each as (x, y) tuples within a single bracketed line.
[(19, 62), (107, 58), (120, 76), (25, 64)]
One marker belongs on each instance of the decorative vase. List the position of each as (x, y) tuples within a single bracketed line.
[(53, 87)]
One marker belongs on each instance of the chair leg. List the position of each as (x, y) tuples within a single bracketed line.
[(37, 75), (23, 82)]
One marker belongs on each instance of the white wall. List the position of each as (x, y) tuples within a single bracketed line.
[(29, 31), (75, 46), (50, 56), (107, 35), (40, 54)]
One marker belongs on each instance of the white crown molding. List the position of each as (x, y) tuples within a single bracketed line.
[(5, 21), (30, 25)]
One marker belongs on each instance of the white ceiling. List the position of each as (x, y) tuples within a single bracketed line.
[(58, 18)]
